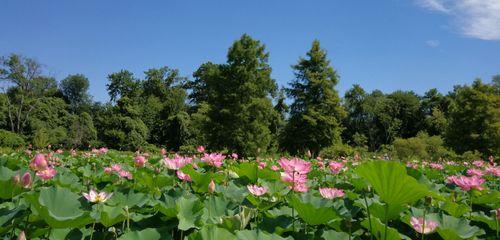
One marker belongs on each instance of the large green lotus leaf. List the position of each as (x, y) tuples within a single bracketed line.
[(7, 187), (491, 199), (189, 211), (481, 217), (148, 233), (67, 179), (377, 209), (392, 184), (59, 207), (455, 209), (330, 234), (215, 208), (378, 230), (8, 212), (313, 210), (130, 199), (235, 193), (111, 215), (258, 235), (253, 173), (167, 206), (69, 233), (211, 232), (451, 228), (201, 180)]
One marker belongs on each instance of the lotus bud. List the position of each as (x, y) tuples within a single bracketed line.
[(22, 236), (211, 186), (26, 179)]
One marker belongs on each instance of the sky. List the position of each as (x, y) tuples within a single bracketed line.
[(387, 45)]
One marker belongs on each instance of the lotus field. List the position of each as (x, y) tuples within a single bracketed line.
[(103, 194)]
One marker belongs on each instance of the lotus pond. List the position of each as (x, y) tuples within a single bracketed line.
[(103, 194)]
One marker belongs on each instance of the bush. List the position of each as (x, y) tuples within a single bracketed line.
[(422, 146), (10, 139), (337, 150)]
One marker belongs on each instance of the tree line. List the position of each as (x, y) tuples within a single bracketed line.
[(237, 106)]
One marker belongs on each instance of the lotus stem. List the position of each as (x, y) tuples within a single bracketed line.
[(92, 232), (369, 216), (470, 202), (423, 225), (386, 221)]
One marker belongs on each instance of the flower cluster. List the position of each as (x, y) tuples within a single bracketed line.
[(295, 172), (423, 226), (213, 159), (467, 183), (177, 162), (42, 167)]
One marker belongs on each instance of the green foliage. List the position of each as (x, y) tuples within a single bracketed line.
[(82, 131), (75, 90), (474, 122), (337, 150), (240, 112), (316, 113), (422, 146), (10, 139)]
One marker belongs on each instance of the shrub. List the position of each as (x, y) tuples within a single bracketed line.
[(10, 139), (337, 150)]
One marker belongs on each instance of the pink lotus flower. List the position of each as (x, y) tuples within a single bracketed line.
[(108, 170), (495, 171), (295, 178), (478, 163), (39, 163), (211, 186), (73, 152), (275, 168), (497, 211), (234, 155), (163, 152), (475, 172), (336, 167), (467, 183), (59, 151), (183, 176), (300, 187), (295, 165), (26, 180), (436, 166), (103, 150), (262, 165), (46, 174), (97, 197), (321, 164), (126, 174), (140, 161), (256, 190), (331, 193), (116, 167), (177, 162), (200, 149), (423, 227), (213, 159)]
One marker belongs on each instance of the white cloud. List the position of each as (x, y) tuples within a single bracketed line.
[(473, 18), (432, 43)]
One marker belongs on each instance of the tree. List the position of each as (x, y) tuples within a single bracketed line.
[(82, 132), (316, 113), (474, 119), (26, 87), (238, 95), (122, 84), (356, 121), (75, 90)]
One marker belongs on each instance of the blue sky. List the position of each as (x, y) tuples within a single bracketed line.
[(387, 45)]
